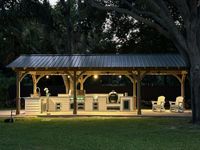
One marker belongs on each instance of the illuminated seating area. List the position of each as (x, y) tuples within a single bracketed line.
[(76, 69)]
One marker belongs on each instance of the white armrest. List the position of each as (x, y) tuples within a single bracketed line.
[(172, 102), (180, 104), (154, 102)]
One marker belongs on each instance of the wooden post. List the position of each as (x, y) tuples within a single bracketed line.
[(75, 99), (139, 94), (34, 85), (18, 93), (134, 95), (71, 86), (183, 85)]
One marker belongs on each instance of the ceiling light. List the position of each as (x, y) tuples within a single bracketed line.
[(95, 76)]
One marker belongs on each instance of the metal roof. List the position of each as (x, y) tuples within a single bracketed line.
[(99, 61)]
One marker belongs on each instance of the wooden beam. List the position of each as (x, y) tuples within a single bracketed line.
[(18, 103), (133, 81), (86, 78), (75, 99), (130, 78), (80, 74), (22, 75), (34, 84), (139, 96), (181, 79), (66, 83), (40, 77), (134, 95), (71, 86), (183, 85), (69, 74), (116, 72), (81, 82), (107, 69), (36, 79), (177, 77), (100, 71)]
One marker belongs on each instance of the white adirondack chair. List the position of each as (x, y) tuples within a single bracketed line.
[(178, 105), (159, 105)]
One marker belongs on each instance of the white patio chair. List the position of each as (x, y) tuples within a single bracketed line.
[(178, 105), (159, 105)]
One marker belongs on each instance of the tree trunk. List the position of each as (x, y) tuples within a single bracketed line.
[(67, 13), (195, 88)]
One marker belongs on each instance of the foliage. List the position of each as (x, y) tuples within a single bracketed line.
[(21, 28), (6, 83), (135, 37), (36, 27)]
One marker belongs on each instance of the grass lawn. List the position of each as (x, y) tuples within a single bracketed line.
[(99, 134)]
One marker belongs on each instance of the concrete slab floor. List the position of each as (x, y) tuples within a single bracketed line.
[(145, 113)]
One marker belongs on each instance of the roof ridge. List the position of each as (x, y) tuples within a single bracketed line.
[(100, 54)]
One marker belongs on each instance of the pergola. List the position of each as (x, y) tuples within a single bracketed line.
[(80, 67)]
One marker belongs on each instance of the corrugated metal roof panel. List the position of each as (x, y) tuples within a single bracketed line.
[(99, 61)]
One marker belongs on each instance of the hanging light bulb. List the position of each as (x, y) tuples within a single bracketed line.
[(47, 76)]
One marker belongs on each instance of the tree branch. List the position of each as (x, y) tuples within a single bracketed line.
[(165, 14), (163, 6), (145, 13), (166, 21), (183, 9), (168, 29), (152, 16), (182, 52), (131, 13), (193, 7), (198, 38)]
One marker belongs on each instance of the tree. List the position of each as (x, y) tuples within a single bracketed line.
[(24, 28), (131, 36), (182, 29), (6, 83), (82, 25)]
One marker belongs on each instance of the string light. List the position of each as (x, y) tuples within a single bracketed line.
[(95, 76)]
